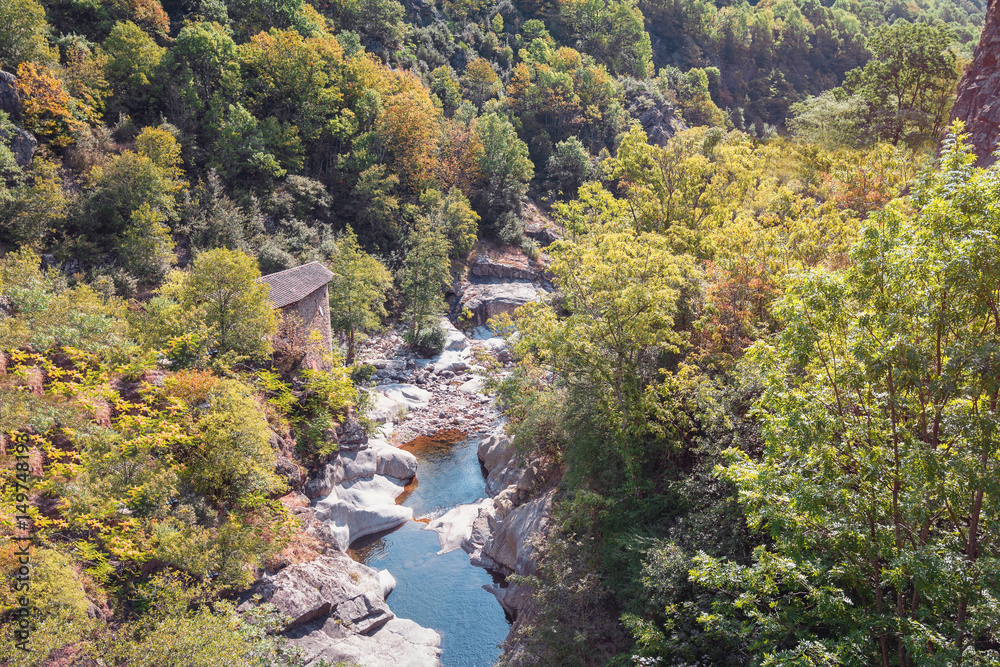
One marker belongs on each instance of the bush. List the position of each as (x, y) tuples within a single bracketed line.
[(429, 341), (235, 459)]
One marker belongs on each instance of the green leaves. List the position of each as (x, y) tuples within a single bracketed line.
[(357, 291), (878, 483), (223, 283), (909, 84), (424, 276)]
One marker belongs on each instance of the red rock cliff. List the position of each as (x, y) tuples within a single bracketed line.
[(978, 102)]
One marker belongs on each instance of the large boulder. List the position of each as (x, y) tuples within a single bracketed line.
[(454, 527), (392, 399), (511, 545), (491, 299), (347, 522), (394, 462), (398, 643), (338, 613), (455, 340), (331, 586), (452, 361), (21, 143), (499, 456), (10, 98)]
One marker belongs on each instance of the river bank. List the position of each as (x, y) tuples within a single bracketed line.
[(405, 511)]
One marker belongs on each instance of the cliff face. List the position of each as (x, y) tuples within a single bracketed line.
[(978, 102)]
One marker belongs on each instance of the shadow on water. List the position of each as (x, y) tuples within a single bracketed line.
[(440, 591)]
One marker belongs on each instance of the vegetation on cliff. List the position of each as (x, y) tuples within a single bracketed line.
[(768, 370)]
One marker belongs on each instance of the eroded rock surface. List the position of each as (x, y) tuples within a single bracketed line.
[(503, 536), (978, 101), (337, 612)]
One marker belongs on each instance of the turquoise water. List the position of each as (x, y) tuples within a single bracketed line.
[(441, 592)]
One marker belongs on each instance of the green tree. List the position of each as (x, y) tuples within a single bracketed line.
[(506, 170), (121, 186), (146, 248), (452, 214), (243, 151), (23, 36), (622, 291), (237, 307), (424, 275), (880, 480), (213, 220), (357, 290), (612, 32), (204, 59), (133, 57), (829, 122), (568, 165), (377, 206), (234, 458), (909, 83)]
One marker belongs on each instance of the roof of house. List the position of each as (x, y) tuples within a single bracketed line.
[(295, 284)]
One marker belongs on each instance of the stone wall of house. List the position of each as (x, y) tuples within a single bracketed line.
[(314, 311)]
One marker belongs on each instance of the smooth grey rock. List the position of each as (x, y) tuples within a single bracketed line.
[(349, 522), (387, 583), (512, 542), (396, 462), (352, 465), (473, 386), (390, 399), (398, 643), (455, 340), (451, 361), (454, 527), (499, 456)]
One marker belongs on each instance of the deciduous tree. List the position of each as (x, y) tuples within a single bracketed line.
[(357, 291), (224, 283)]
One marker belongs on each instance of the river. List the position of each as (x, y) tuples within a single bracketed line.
[(443, 592)]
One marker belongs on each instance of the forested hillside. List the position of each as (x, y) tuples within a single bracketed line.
[(765, 384)]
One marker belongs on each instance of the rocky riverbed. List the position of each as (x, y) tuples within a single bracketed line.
[(338, 607)]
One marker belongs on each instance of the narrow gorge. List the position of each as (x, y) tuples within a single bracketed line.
[(436, 507)]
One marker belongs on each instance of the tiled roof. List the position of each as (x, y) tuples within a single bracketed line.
[(295, 284)]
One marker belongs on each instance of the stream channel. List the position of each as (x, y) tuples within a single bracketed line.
[(444, 592)]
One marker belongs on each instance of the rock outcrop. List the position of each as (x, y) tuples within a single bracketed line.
[(361, 489), (337, 612), (488, 300), (498, 282), (22, 144), (10, 98), (978, 101)]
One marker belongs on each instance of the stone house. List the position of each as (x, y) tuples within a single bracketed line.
[(303, 292)]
